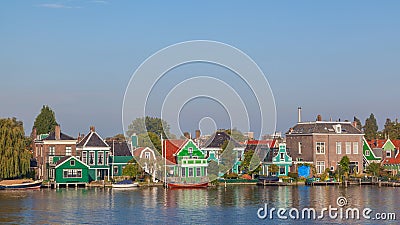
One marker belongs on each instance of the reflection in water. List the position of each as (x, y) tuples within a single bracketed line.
[(233, 204)]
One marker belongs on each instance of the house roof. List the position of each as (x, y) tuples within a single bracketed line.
[(217, 140), (52, 136), (377, 143), (92, 139), (138, 151), (119, 148), (268, 143), (171, 147), (323, 127), (66, 158), (393, 161)]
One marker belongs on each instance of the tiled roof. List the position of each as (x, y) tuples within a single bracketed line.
[(92, 140), (63, 159), (323, 127), (218, 139), (377, 143), (52, 136), (171, 147), (119, 148), (268, 143), (388, 161)]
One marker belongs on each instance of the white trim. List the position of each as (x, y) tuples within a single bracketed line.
[(59, 142), (69, 159), (147, 148), (93, 148), (94, 158)]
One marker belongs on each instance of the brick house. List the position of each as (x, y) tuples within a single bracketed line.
[(48, 148), (324, 143)]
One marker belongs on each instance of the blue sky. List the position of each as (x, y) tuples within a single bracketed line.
[(337, 59)]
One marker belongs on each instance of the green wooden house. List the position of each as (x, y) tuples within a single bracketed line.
[(369, 155), (71, 170), (120, 154), (281, 158), (95, 152), (186, 162)]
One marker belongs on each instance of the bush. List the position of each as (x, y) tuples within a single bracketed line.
[(293, 175), (231, 176)]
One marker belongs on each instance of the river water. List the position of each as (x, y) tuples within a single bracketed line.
[(235, 204)]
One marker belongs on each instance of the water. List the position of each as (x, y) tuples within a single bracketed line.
[(230, 205)]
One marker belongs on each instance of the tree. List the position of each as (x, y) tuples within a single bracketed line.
[(344, 165), (228, 157), (150, 140), (374, 169), (132, 169), (391, 129), (14, 154), (358, 123), (251, 162), (235, 134), (146, 124), (273, 169), (45, 122), (117, 137), (371, 127)]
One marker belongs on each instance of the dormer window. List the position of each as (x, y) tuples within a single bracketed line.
[(338, 128)]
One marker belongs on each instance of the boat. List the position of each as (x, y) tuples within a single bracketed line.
[(188, 185), (125, 184), (24, 185)]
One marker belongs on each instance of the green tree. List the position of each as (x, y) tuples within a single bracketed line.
[(374, 169), (14, 154), (227, 157), (391, 129), (132, 169), (45, 122), (251, 162), (150, 124), (358, 123), (117, 137), (371, 127), (273, 168), (235, 134), (344, 165), (150, 140)]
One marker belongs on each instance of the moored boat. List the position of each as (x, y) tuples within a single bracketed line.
[(188, 185), (24, 185), (125, 184)]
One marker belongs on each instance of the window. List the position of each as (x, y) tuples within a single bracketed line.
[(348, 147), (68, 150), (51, 175), (367, 153), (320, 147), (84, 157), (299, 159), (107, 158), (190, 150), (353, 166), (198, 172), (183, 172), (388, 154), (282, 156), (52, 150), (300, 145), (100, 158), (72, 173), (115, 169), (91, 158), (332, 168), (72, 163), (339, 148), (355, 147), (282, 170), (190, 172), (320, 167), (147, 155)]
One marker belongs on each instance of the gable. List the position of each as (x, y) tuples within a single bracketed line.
[(66, 163), (366, 148), (282, 150), (388, 146), (184, 151)]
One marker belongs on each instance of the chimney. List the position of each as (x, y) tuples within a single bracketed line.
[(134, 141), (319, 118), (299, 114), (187, 135), (57, 132), (92, 129), (198, 134)]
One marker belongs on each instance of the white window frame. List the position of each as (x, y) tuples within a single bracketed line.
[(68, 150), (320, 148), (115, 170), (348, 148), (320, 167), (198, 172), (147, 155), (355, 147), (84, 157), (71, 172), (367, 153), (299, 145), (338, 148), (106, 158), (183, 172), (191, 171), (100, 158), (282, 156), (389, 155), (94, 158), (72, 162), (52, 150)]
